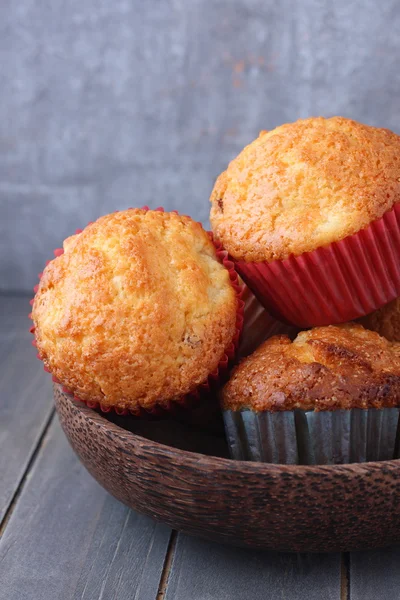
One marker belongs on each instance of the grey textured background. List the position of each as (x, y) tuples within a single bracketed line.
[(116, 103)]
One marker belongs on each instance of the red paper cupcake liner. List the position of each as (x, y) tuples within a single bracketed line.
[(334, 284), (214, 378)]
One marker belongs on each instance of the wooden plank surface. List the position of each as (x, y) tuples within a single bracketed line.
[(205, 571), (375, 574), (25, 397), (69, 539), (157, 97)]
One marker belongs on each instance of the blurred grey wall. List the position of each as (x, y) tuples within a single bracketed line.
[(106, 104)]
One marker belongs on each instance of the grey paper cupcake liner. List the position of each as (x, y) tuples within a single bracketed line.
[(313, 438)]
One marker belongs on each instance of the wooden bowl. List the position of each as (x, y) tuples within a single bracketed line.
[(291, 508)]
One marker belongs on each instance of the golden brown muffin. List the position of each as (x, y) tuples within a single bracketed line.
[(326, 368), (137, 311), (385, 321), (304, 185)]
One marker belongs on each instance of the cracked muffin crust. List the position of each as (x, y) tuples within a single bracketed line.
[(325, 368), (304, 185), (138, 310)]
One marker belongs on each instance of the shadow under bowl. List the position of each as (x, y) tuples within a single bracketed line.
[(258, 505)]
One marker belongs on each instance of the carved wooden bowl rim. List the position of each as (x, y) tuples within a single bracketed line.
[(215, 462)]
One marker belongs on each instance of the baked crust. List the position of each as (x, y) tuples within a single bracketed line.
[(385, 321), (137, 311), (304, 185), (325, 368)]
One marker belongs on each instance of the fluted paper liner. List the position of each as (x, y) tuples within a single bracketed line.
[(333, 284), (213, 379), (313, 438)]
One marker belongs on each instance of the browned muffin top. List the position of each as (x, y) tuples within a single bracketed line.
[(385, 321), (304, 185), (137, 311), (326, 368)]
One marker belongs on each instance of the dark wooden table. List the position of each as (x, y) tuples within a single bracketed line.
[(63, 537)]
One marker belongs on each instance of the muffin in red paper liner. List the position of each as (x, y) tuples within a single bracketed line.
[(310, 214), (140, 312)]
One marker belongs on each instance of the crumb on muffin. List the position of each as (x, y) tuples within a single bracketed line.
[(137, 311), (304, 185), (325, 368)]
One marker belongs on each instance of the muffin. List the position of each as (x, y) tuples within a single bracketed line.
[(310, 213), (385, 321), (137, 312), (330, 396)]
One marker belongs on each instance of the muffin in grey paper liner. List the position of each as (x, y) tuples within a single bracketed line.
[(330, 396), (313, 438)]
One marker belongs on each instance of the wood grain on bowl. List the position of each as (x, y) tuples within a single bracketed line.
[(281, 507)]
